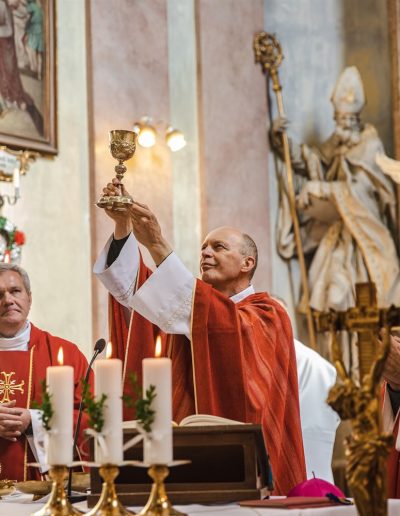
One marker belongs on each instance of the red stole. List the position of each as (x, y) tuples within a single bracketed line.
[(30, 367), (15, 384)]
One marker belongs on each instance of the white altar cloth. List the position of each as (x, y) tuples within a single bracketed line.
[(22, 506)]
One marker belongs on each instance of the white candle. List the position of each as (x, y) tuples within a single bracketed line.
[(16, 177), (108, 381), (60, 386), (157, 372)]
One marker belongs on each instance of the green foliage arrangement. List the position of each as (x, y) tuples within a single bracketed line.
[(46, 407), (145, 414), (93, 408)]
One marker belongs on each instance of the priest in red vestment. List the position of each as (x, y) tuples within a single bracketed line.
[(232, 349), (25, 353), (391, 405)]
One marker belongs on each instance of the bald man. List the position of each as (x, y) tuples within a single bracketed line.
[(231, 348)]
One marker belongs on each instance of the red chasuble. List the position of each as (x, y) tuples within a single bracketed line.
[(240, 364), (21, 373)]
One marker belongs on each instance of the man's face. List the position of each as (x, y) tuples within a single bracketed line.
[(15, 303), (222, 259)]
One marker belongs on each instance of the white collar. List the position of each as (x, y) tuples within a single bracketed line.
[(243, 294), (19, 342)]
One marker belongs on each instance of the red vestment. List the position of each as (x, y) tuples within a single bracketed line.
[(240, 364), (23, 371)]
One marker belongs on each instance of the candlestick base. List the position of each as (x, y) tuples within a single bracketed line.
[(109, 504), (58, 504), (158, 503)]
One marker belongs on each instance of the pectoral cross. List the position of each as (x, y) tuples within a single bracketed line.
[(8, 386)]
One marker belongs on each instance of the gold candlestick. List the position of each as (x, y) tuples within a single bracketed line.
[(109, 504), (158, 503), (58, 504), (122, 148)]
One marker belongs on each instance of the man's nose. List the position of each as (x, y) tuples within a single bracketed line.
[(8, 298), (206, 251)]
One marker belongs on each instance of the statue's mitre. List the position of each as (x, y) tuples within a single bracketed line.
[(348, 95)]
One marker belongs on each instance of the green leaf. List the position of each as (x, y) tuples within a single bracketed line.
[(93, 408), (46, 407), (145, 414)]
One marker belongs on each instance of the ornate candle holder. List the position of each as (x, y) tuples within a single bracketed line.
[(58, 504), (158, 503), (109, 504), (122, 148)]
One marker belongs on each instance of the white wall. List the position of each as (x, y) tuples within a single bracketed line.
[(54, 208)]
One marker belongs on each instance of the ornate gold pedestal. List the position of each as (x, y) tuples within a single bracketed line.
[(58, 504), (158, 503), (109, 504)]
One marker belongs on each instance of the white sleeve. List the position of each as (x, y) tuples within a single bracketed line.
[(120, 277), (36, 442), (166, 297)]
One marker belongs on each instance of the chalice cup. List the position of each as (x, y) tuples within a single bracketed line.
[(122, 148)]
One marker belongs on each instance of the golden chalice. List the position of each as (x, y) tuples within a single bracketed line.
[(122, 148)]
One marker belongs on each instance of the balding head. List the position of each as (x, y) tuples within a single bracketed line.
[(228, 260)]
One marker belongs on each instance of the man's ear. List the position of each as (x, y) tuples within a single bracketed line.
[(248, 264)]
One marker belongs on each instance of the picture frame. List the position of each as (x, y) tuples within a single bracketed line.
[(28, 75)]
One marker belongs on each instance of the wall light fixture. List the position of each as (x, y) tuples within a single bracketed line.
[(147, 132)]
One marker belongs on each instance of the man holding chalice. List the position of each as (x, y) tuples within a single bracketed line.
[(232, 349)]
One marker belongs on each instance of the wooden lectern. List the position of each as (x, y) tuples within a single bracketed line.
[(228, 463)]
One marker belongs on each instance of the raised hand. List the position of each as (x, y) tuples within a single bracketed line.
[(147, 231), (122, 219)]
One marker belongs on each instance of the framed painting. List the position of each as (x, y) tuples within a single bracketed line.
[(28, 75)]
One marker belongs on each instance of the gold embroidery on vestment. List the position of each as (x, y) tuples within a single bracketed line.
[(8, 386)]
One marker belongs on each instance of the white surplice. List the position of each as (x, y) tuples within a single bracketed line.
[(20, 342), (318, 421), (165, 299)]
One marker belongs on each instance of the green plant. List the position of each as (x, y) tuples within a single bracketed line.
[(93, 408), (145, 414), (46, 407)]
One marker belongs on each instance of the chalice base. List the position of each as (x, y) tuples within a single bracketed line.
[(158, 503), (58, 504), (115, 202)]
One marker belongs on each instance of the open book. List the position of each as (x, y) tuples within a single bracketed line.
[(194, 420), (207, 419)]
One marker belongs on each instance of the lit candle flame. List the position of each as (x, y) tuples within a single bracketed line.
[(158, 347), (109, 350), (60, 356)]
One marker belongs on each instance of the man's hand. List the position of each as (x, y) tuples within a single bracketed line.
[(122, 219), (391, 372), (13, 421), (148, 232)]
